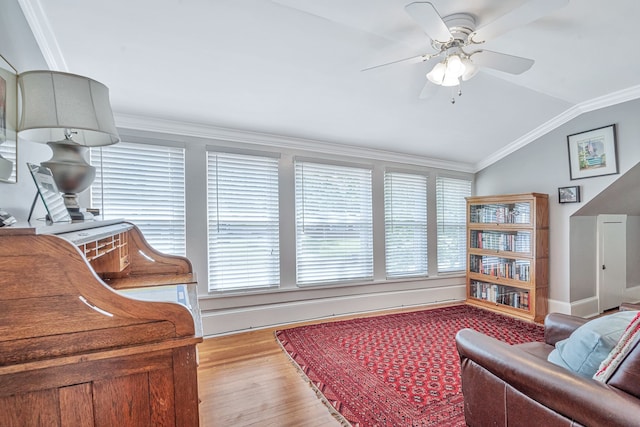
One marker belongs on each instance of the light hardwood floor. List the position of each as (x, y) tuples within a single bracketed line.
[(246, 379)]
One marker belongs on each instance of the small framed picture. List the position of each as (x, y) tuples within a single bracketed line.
[(569, 194), (593, 153), (51, 197)]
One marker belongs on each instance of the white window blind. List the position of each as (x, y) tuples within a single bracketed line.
[(143, 184), (452, 223), (243, 229), (334, 223), (405, 221)]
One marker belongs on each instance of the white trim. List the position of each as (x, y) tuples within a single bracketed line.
[(632, 294), (44, 35), (260, 317), (587, 307), (608, 100), (556, 306), (174, 127), (235, 135)]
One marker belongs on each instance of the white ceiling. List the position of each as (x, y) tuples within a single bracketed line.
[(292, 67)]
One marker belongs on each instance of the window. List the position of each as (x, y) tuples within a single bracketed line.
[(334, 223), (452, 223), (405, 224), (243, 221), (145, 185)]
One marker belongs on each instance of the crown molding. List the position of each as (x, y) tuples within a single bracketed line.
[(608, 100), (236, 135), (41, 29), (197, 130)]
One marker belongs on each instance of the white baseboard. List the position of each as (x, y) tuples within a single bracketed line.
[(556, 306), (259, 317), (632, 294), (587, 307)]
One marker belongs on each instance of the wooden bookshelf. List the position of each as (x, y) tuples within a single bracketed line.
[(508, 254)]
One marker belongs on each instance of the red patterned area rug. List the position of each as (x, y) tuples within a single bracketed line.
[(398, 369)]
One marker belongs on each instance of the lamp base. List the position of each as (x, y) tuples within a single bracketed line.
[(75, 212), (69, 167), (71, 173), (78, 215)]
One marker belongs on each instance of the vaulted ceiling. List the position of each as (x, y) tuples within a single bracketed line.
[(293, 68)]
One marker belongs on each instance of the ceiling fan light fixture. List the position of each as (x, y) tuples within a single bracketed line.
[(449, 71), (450, 80), (436, 75), (470, 69), (454, 65)]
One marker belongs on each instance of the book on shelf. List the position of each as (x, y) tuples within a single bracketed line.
[(500, 241), (516, 213), (500, 267), (499, 294)]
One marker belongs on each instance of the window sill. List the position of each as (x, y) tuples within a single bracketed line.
[(314, 288)]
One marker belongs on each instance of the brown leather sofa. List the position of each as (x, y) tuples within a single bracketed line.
[(505, 385)]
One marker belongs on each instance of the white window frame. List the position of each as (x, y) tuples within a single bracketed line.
[(451, 220), (243, 247), (151, 194), (406, 231), (334, 236)]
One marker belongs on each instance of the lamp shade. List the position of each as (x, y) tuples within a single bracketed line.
[(54, 102)]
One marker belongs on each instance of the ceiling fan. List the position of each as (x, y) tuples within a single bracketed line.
[(454, 36)]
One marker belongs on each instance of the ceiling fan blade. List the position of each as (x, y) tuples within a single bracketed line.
[(528, 12), (428, 18), (411, 60), (501, 61)]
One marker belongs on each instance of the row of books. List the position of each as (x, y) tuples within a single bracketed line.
[(500, 267), (520, 242), (517, 213), (505, 295)]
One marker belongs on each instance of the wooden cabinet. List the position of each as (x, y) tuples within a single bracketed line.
[(508, 254), (75, 351)]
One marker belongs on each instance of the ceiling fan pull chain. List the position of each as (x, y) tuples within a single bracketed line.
[(453, 98)]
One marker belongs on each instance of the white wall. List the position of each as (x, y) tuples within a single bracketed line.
[(543, 166), (19, 47), (583, 257)]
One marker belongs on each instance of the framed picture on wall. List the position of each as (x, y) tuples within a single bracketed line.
[(569, 194), (593, 153)]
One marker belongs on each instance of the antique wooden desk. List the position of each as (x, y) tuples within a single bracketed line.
[(88, 335)]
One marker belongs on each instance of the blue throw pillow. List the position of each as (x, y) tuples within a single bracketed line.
[(591, 343)]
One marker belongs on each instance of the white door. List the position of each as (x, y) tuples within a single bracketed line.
[(612, 260)]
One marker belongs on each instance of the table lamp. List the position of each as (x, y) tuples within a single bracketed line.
[(70, 113)]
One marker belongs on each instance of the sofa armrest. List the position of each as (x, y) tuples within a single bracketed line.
[(581, 399), (558, 326)]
